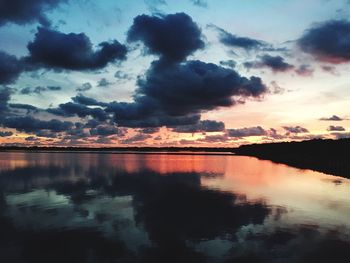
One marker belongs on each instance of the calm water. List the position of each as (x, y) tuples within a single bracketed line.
[(90, 207)]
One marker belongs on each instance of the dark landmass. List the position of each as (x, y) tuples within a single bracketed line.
[(327, 156), (182, 150)]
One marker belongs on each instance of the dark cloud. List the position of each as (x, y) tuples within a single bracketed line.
[(5, 95), (77, 131), (104, 130), (56, 50), (153, 5), (335, 128), (173, 37), (53, 88), (136, 138), (23, 11), (200, 3), (202, 126), (275, 63), (145, 113), (27, 107), (26, 90), (328, 41), (195, 86), (338, 135), (273, 133), (32, 139), (329, 69), (276, 88), (176, 94), (46, 134), (149, 130), (214, 139), (10, 67), (122, 75), (81, 99), (39, 89), (6, 133), (30, 124), (84, 87), (295, 129), (332, 118), (103, 83), (104, 140), (304, 70), (228, 63), (232, 40), (70, 109), (92, 123), (246, 132)]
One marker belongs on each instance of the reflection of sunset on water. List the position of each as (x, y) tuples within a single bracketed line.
[(306, 193), (210, 204)]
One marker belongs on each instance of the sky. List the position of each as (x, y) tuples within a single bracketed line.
[(173, 73)]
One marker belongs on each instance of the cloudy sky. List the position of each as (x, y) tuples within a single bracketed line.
[(173, 73)]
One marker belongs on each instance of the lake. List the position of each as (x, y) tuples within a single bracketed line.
[(95, 207)]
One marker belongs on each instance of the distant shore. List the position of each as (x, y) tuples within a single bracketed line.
[(327, 156), (122, 149)]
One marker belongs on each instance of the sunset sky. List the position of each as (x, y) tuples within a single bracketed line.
[(173, 73)]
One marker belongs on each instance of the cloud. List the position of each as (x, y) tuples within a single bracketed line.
[(173, 91), (232, 40), (84, 87), (246, 132), (30, 124), (295, 129), (200, 3), (23, 11), (328, 41), (46, 134), (81, 99), (10, 68), (202, 126), (176, 94), (153, 5), (70, 109), (56, 50), (228, 63), (341, 135), (136, 138), (329, 69), (6, 133), (103, 83), (214, 139), (32, 139), (144, 113), (39, 89), (304, 70), (335, 128), (5, 95), (122, 76), (332, 118), (149, 130), (104, 130), (195, 86), (276, 88), (275, 63), (27, 107), (173, 37)]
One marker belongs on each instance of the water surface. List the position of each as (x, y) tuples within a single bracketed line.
[(91, 207)]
